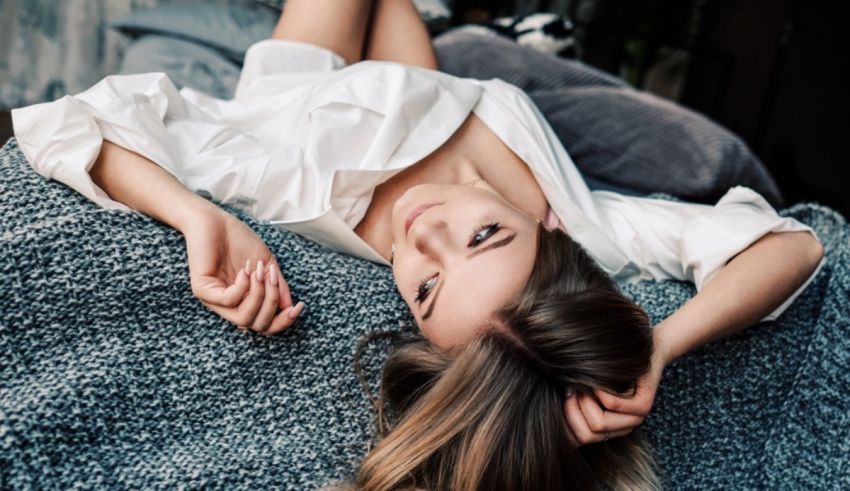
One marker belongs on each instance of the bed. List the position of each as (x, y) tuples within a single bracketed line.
[(113, 376)]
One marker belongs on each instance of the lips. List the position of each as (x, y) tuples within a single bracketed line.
[(415, 213)]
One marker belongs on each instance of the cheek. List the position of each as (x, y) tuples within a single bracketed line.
[(402, 277), (405, 283), (453, 330), (437, 336)]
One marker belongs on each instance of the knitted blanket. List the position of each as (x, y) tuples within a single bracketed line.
[(113, 376)]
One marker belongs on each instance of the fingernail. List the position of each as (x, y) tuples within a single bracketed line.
[(260, 270), (247, 267), (273, 276), (296, 310)]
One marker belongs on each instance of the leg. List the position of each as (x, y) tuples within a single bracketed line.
[(398, 34), (338, 25)]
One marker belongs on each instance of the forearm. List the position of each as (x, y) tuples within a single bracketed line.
[(146, 187), (750, 286)]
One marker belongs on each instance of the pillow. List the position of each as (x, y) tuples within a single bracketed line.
[(550, 33), (186, 63), (435, 13), (228, 29), (622, 137)]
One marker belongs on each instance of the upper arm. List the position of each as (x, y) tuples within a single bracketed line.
[(690, 241), (741, 218)]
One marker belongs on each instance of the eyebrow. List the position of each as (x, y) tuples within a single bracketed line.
[(489, 247)]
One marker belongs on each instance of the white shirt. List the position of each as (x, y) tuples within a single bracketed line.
[(307, 138)]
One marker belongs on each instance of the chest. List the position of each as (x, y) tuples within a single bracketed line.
[(504, 171), (473, 153)]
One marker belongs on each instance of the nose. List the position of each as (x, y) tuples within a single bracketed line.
[(430, 235)]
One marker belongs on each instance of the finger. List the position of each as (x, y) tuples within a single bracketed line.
[(620, 433), (615, 434), (269, 307), (581, 430), (234, 293), (575, 419), (285, 319), (640, 403), (228, 314), (601, 421), (213, 290), (246, 312), (285, 296)]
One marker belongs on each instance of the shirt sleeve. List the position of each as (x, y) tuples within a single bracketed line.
[(693, 242), (62, 139)]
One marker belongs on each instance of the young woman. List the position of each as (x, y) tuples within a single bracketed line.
[(531, 359)]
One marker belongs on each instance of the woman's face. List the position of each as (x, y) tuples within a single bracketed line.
[(461, 259)]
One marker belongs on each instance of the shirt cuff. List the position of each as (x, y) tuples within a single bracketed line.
[(61, 141), (739, 219)]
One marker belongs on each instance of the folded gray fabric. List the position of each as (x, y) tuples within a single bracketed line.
[(113, 376), (643, 143), (466, 53)]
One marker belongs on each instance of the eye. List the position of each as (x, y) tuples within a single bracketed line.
[(482, 233), (424, 289)]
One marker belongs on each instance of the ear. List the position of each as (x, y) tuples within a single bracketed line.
[(547, 226)]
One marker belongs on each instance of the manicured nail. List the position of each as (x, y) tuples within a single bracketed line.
[(273, 276), (260, 270), (299, 307)]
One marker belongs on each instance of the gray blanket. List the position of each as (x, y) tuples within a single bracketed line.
[(113, 376)]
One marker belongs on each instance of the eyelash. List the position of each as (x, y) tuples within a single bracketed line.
[(421, 294)]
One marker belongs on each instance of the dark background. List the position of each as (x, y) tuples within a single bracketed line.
[(772, 71), (5, 126)]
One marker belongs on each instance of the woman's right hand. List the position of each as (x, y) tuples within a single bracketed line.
[(600, 415), (234, 273)]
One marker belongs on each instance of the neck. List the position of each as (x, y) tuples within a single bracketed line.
[(452, 163)]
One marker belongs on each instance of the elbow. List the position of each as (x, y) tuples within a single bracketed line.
[(810, 251), (803, 250), (815, 251)]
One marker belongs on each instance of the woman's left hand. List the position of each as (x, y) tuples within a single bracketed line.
[(599, 416)]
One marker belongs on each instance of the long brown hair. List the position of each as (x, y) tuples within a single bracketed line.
[(490, 415)]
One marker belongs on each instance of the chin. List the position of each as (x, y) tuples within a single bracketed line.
[(407, 201), (396, 215)]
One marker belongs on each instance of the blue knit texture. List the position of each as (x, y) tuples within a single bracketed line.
[(113, 376)]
